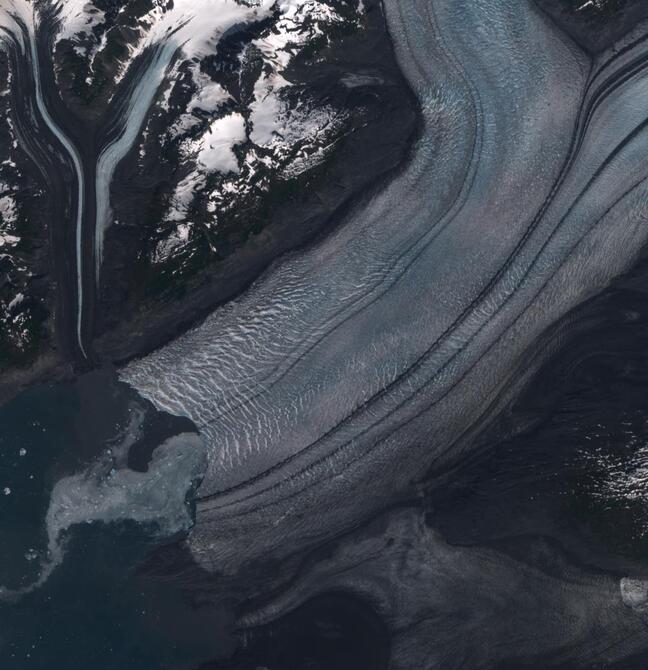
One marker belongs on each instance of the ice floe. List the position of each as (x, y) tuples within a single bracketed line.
[(108, 493)]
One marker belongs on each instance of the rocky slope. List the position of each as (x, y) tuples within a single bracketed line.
[(210, 138)]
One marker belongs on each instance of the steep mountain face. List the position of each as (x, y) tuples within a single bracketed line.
[(375, 357), (595, 24), (246, 153), (27, 281), (201, 140), (366, 410)]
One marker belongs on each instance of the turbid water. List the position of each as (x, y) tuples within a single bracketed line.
[(93, 610), (546, 494), (378, 475)]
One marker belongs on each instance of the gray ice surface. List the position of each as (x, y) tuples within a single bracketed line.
[(351, 368)]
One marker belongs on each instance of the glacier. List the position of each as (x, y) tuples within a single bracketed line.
[(372, 359)]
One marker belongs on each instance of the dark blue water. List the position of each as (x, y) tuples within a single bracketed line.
[(558, 469), (99, 608), (95, 610)]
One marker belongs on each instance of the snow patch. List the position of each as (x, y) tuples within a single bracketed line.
[(77, 21), (17, 300), (171, 244), (8, 219), (13, 15), (219, 141), (634, 593), (183, 196), (8, 210), (210, 94), (266, 110), (196, 26)]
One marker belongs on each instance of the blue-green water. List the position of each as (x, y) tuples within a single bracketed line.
[(95, 610)]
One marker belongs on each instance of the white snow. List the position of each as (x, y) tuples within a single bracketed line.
[(174, 242), (8, 240), (213, 152), (218, 143), (12, 14), (211, 95), (634, 593), (184, 195), (266, 110), (189, 30), (194, 27), (597, 4), (14, 303), (198, 25), (273, 124), (77, 19), (301, 21), (8, 210)]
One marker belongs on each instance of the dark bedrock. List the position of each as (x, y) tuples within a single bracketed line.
[(596, 25), (133, 319), (545, 468), (512, 560), (26, 269)]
